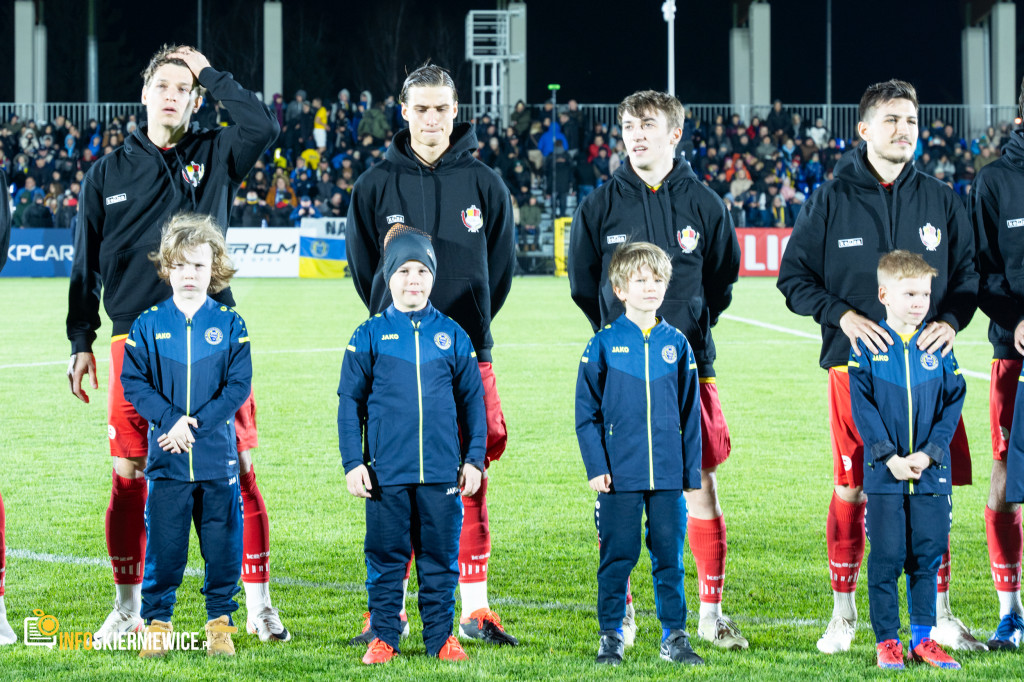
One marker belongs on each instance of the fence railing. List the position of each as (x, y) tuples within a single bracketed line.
[(840, 119)]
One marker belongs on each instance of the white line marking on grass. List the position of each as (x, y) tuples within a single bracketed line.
[(816, 337), (96, 561)]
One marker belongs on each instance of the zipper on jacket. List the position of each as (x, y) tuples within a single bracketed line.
[(647, 386), (188, 389), (419, 390), (910, 406)]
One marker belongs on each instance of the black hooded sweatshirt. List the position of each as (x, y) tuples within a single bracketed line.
[(129, 194), (831, 261), (997, 207), (683, 217), (466, 209)]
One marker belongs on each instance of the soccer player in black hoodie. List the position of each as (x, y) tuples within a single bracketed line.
[(164, 167), (657, 198), (877, 202), (429, 180), (997, 206)]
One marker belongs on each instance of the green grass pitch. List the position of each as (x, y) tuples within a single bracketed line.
[(775, 489)]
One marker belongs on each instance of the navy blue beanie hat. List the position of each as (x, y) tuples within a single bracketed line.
[(404, 243)]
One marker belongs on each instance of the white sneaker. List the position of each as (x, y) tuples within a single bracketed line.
[(838, 635), (722, 632), (629, 626), (950, 632), (267, 624), (7, 635), (117, 623)]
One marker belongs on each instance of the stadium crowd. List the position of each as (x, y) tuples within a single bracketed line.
[(763, 169)]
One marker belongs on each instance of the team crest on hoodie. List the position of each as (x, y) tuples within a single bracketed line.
[(193, 173), (473, 218), (931, 236), (687, 239)]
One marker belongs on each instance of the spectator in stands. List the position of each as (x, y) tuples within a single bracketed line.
[(766, 149), (67, 211), (281, 200), (294, 109), (586, 175), (341, 127), (521, 120), (797, 204), (529, 228), (277, 107), (735, 211), (782, 216), (797, 129), (558, 169), (595, 147), (602, 167), (305, 209), (987, 156), (250, 211), (572, 133), (375, 124), (36, 214), (336, 206), (259, 182), (778, 120), (303, 183), (718, 139), (343, 104), (319, 125), (741, 182), (519, 176), (943, 164)]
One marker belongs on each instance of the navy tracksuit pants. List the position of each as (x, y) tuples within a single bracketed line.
[(216, 508), (908, 533), (428, 519), (618, 516)]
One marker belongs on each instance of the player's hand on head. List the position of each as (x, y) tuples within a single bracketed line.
[(358, 481), (80, 365), (195, 59), (857, 327), (469, 480), (602, 483), (939, 335)]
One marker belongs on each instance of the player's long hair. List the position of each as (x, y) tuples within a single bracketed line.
[(186, 231)]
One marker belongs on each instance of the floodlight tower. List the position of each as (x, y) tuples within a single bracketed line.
[(668, 11)]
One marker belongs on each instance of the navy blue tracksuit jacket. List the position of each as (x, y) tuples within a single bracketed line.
[(905, 400)]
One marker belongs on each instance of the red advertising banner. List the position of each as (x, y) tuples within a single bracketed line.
[(761, 250)]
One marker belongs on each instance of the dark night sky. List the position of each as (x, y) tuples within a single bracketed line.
[(598, 51)]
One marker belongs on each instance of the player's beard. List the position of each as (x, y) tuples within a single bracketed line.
[(894, 156)]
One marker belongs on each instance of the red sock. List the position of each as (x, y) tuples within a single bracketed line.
[(475, 542), (3, 546), (844, 531), (1004, 548), (126, 529), (629, 592), (255, 531), (942, 579), (707, 542)]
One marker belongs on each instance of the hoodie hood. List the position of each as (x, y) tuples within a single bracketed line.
[(631, 183), (462, 143), (853, 167), (1013, 151)]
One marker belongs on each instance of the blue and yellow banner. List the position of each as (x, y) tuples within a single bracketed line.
[(322, 248)]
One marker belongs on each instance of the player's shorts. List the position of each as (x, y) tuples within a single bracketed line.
[(497, 434), (848, 449), (714, 432), (1002, 395), (128, 432)]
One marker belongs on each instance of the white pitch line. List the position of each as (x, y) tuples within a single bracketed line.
[(804, 335), (360, 587)]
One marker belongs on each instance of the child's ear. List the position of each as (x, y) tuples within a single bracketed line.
[(881, 295), (619, 293)]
